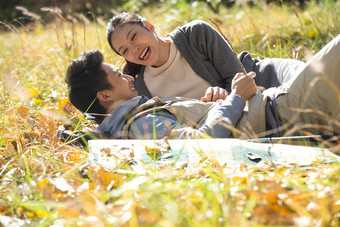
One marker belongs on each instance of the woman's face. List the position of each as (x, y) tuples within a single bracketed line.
[(137, 44)]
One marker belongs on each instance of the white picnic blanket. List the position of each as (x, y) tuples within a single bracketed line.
[(224, 151)]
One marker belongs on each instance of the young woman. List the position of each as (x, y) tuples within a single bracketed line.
[(188, 60)]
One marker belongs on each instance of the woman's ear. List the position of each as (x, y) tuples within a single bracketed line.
[(149, 25)]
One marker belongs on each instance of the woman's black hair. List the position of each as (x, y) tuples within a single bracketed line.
[(130, 68)]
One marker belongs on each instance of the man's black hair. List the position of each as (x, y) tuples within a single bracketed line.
[(85, 77)]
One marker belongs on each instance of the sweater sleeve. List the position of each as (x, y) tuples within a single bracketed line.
[(219, 125), (207, 52)]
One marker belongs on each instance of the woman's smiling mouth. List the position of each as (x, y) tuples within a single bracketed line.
[(144, 53)]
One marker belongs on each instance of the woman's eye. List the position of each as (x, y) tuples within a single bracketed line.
[(124, 52), (133, 37)]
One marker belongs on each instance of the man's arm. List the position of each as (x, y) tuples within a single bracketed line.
[(223, 121), (219, 124)]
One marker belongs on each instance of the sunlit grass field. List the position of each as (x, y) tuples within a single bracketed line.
[(46, 182)]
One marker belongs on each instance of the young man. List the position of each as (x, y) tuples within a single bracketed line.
[(310, 103)]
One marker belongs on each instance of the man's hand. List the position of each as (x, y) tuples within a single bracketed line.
[(244, 85), (214, 93)]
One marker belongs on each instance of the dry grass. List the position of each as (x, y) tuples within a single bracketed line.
[(45, 182)]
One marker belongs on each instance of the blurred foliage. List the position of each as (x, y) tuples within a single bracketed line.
[(10, 13)]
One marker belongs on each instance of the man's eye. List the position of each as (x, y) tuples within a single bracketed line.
[(133, 37), (124, 52)]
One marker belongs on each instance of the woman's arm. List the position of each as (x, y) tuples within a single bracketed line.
[(207, 53)]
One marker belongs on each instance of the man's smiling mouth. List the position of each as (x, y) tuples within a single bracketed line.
[(144, 53)]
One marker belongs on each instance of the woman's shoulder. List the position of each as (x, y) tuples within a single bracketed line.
[(196, 24), (192, 28)]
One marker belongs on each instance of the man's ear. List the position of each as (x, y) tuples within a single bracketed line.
[(150, 26), (104, 96)]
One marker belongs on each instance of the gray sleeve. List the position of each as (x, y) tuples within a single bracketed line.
[(207, 52)]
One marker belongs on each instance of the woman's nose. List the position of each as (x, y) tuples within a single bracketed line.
[(135, 48)]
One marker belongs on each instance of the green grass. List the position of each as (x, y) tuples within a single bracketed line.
[(45, 182)]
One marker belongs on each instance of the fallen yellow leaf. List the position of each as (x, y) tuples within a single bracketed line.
[(32, 92)]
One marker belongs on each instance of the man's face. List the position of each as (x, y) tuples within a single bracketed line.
[(122, 85)]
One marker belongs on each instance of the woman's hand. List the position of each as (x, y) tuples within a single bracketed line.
[(214, 93), (244, 85)]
